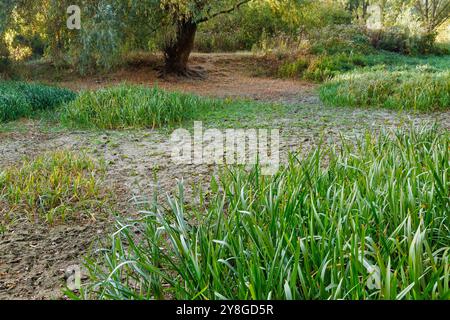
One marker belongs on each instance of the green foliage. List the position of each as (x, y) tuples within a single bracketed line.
[(328, 66), (401, 41), (128, 106), (420, 89), (321, 14), (52, 188), (22, 99), (335, 39), (293, 69), (318, 229), (325, 67), (4, 58), (100, 41), (13, 106), (244, 29)]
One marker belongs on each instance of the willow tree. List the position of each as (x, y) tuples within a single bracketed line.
[(174, 23), (185, 17), (6, 7)]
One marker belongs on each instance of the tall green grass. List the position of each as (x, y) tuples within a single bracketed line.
[(325, 67), (130, 106), (421, 89), (21, 99), (367, 220)]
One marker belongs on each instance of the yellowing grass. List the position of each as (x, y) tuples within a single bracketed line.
[(52, 188)]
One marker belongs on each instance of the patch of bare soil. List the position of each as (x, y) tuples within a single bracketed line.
[(227, 75), (35, 259)]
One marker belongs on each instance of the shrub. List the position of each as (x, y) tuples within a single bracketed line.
[(418, 90), (41, 97), (398, 40), (338, 39), (364, 221), (21, 99), (394, 40), (293, 69), (325, 67), (241, 30), (52, 188), (128, 106), (4, 59)]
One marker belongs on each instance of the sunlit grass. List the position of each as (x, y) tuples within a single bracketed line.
[(420, 89), (129, 106), (21, 99), (51, 188)]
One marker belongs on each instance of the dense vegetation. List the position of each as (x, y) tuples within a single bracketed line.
[(364, 221), (419, 90), (113, 28), (128, 106), (22, 99)]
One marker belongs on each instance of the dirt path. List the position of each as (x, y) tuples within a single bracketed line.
[(33, 259), (227, 75)]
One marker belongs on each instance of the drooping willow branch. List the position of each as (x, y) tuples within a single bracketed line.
[(229, 10)]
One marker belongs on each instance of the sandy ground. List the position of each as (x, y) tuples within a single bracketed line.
[(34, 258)]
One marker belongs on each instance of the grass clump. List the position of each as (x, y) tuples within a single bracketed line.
[(21, 99), (52, 187), (130, 106), (326, 67), (419, 89), (362, 221)]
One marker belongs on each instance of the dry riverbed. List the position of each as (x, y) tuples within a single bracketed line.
[(34, 257)]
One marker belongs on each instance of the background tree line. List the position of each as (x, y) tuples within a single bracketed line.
[(114, 28)]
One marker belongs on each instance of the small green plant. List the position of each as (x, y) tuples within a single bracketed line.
[(52, 188), (420, 89), (21, 99), (364, 220)]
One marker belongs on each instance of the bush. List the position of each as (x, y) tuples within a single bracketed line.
[(241, 30), (21, 99), (4, 59), (421, 89), (293, 69), (318, 229), (401, 41), (13, 106), (339, 39), (128, 106), (51, 188)]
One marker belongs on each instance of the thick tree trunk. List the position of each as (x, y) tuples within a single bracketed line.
[(177, 52)]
